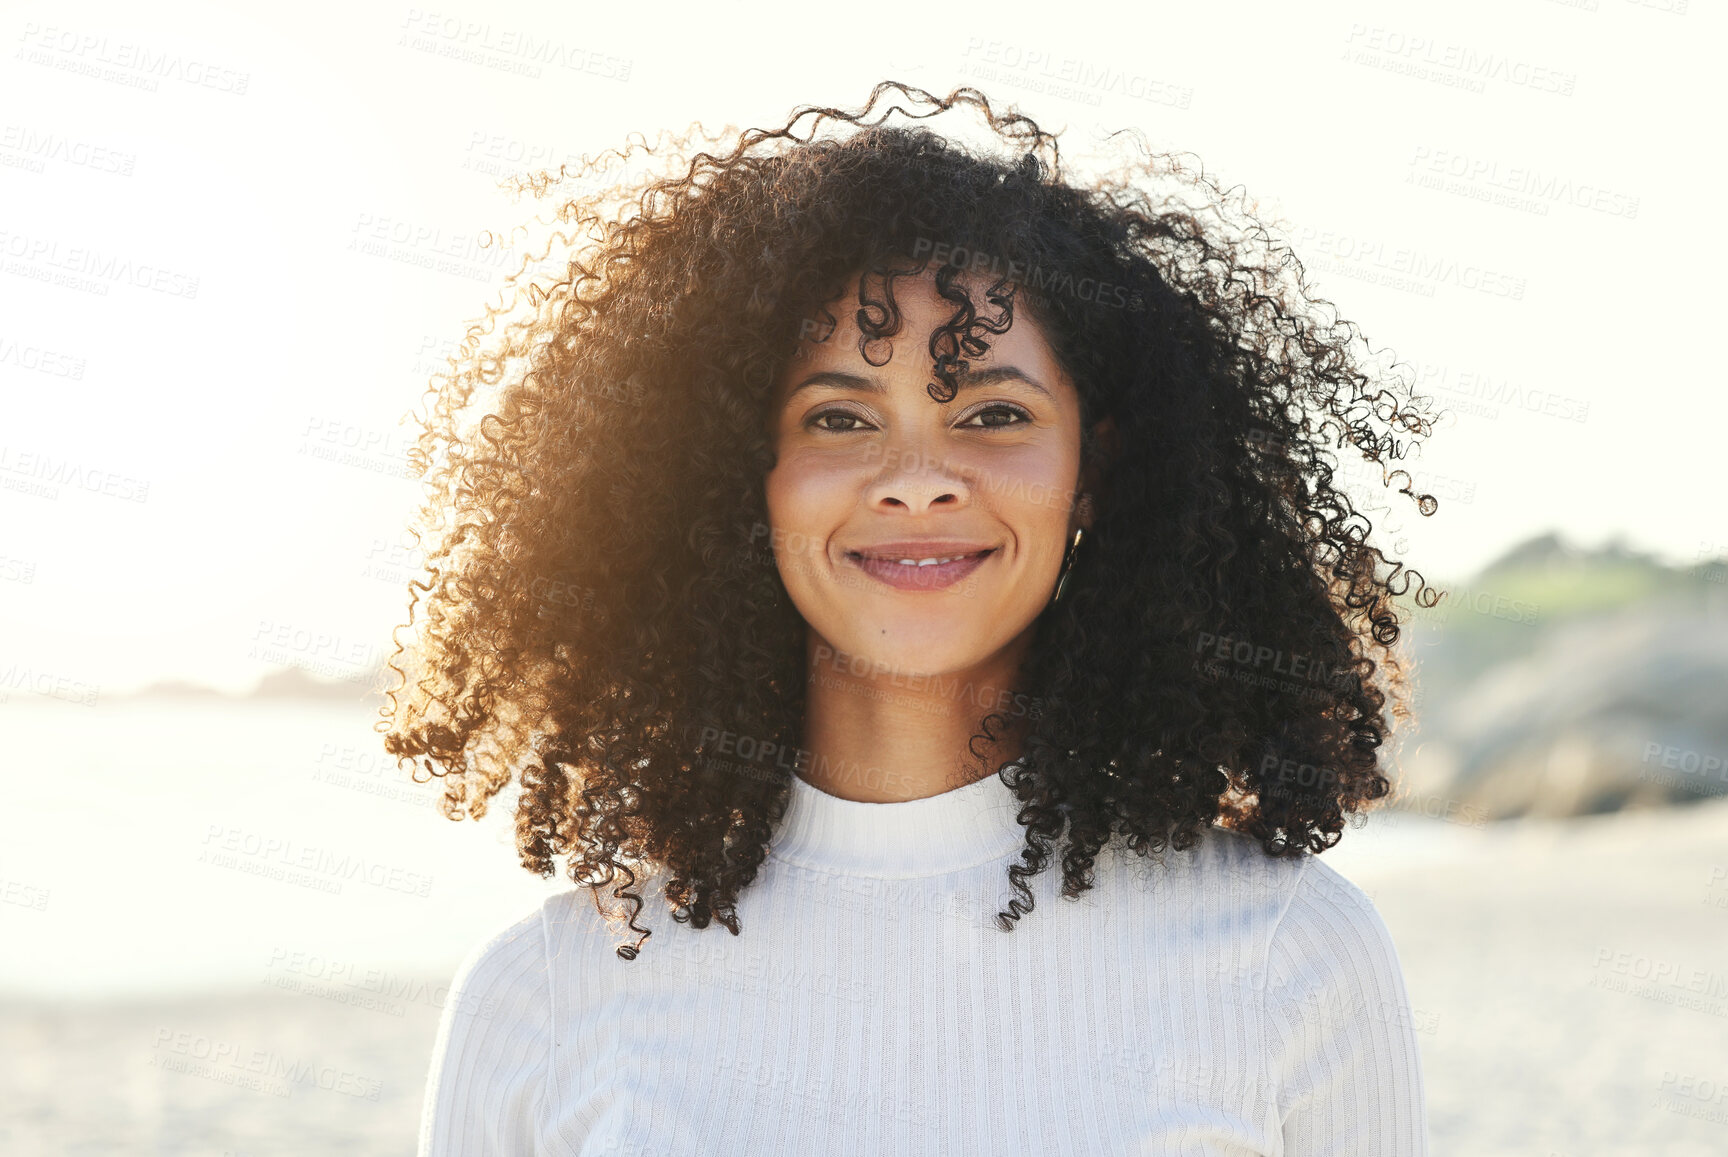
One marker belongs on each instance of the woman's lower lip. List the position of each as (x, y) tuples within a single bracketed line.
[(934, 577)]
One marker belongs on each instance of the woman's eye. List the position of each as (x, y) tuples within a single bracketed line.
[(998, 415), (835, 420)]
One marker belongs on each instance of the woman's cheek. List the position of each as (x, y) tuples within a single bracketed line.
[(806, 501)]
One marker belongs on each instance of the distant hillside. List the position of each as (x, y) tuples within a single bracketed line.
[(287, 684), (1561, 681)]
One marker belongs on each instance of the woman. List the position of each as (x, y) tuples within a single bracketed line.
[(859, 522)]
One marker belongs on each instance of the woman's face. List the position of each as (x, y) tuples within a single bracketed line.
[(873, 479)]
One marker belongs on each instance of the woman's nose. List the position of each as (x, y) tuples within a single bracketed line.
[(917, 481)]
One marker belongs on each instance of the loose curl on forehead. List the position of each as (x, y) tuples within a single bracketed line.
[(601, 616)]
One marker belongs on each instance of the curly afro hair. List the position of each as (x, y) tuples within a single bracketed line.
[(597, 604)]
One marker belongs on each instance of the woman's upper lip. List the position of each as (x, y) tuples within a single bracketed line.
[(923, 548)]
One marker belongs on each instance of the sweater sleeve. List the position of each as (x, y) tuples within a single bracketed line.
[(490, 1060), (1345, 1061)]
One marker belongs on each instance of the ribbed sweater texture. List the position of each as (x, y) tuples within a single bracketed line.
[(1211, 1001)]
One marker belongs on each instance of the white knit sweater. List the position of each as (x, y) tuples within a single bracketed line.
[(1219, 1002)]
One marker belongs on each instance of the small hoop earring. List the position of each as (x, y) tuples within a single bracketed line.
[(1068, 565)]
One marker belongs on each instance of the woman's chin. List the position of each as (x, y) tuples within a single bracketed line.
[(906, 649)]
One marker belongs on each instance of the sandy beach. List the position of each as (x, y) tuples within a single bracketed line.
[(1569, 978), (1574, 977)]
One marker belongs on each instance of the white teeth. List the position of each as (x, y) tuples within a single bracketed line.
[(919, 561)]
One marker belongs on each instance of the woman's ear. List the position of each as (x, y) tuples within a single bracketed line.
[(1099, 449), (1106, 438), (1083, 512)]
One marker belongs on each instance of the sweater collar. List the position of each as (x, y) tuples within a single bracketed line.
[(957, 829)]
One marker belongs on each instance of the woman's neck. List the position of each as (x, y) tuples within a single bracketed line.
[(890, 737)]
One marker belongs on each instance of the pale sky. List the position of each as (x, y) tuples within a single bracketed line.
[(184, 323)]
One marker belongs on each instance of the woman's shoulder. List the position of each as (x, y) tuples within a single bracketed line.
[(1228, 879), (541, 932), (509, 954), (1315, 901), (1320, 942), (508, 985)]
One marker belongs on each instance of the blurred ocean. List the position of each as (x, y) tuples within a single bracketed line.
[(183, 846), (182, 878)]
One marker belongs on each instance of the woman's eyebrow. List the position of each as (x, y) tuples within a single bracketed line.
[(971, 379)]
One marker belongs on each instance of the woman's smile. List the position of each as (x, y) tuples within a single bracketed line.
[(919, 566)]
